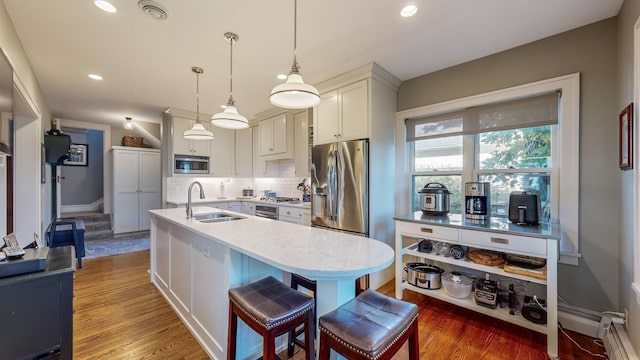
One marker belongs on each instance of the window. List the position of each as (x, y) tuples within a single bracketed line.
[(493, 143), (519, 138)]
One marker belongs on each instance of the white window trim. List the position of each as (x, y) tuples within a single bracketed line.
[(636, 171), (568, 140)]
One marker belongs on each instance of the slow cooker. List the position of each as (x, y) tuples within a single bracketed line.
[(434, 199), (423, 275)]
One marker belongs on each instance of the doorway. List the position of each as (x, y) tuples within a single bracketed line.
[(82, 176)]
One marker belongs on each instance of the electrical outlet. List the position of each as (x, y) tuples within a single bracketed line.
[(626, 319)]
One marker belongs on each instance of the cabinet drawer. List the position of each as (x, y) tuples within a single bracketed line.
[(290, 212), (428, 231), (503, 242)]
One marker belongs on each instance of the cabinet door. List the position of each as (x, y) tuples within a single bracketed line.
[(125, 191), (222, 148), (150, 187), (354, 111), (259, 165), (265, 129), (181, 145), (302, 144), (244, 153), (325, 119), (279, 134)]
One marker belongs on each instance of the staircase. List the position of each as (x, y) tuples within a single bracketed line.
[(97, 226)]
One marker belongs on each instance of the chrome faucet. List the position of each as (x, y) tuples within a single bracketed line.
[(189, 208)]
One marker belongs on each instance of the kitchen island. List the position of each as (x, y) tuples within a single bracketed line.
[(194, 263)]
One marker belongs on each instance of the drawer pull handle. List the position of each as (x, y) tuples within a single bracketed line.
[(426, 230), (500, 241)]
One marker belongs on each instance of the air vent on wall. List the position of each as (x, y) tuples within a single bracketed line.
[(153, 9)]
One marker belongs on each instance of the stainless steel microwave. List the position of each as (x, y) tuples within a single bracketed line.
[(191, 164)]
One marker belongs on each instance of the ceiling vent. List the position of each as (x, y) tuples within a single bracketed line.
[(153, 9)]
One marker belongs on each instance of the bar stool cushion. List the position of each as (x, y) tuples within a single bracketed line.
[(370, 323), (270, 302)]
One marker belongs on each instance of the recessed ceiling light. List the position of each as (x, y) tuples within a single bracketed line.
[(105, 6), (409, 11), (282, 76), (95, 76)]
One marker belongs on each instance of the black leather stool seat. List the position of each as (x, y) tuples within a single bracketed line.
[(370, 325), (270, 303), (271, 309)]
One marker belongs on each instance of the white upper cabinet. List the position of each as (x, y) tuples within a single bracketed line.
[(244, 153), (259, 165), (302, 160), (342, 114), (276, 137), (188, 147), (222, 157)]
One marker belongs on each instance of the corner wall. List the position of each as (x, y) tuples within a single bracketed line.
[(592, 51), (626, 20)]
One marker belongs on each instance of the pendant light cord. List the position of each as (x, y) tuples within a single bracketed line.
[(231, 73), (295, 28), (197, 98)]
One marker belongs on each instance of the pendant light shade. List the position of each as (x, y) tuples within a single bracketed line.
[(294, 93), (197, 132), (229, 118)]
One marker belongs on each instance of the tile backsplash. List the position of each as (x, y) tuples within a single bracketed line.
[(214, 187)]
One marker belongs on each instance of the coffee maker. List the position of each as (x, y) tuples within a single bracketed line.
[(477, 200)]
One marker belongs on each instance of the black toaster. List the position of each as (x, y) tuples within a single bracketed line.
[(524, 207)]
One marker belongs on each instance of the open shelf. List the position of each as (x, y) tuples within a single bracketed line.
[(412, 250), (468, 303)]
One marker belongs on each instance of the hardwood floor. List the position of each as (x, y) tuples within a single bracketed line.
[(120, 315)]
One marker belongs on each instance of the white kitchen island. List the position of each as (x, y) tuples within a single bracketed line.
[(194, 264)]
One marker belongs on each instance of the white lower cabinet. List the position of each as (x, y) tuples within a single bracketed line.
[(248, 208), (294, 215), (136, 187), (180, 267), (409, 233)]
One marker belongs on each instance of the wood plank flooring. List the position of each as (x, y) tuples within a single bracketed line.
[(120, 315)]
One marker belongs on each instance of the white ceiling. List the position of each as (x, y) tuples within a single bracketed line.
[(147, 63)]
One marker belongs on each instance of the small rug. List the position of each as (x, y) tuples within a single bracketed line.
[(116, 245)]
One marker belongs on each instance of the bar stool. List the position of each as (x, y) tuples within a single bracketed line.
[(296, 282), (270, 308), (371, 326), (311, 285)]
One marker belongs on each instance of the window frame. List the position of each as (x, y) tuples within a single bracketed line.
[(566, 145)]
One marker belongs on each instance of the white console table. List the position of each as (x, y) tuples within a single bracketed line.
[(495, 234)]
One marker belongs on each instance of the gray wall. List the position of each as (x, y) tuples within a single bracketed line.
[(591, 51), (84, 184), (626, 20)]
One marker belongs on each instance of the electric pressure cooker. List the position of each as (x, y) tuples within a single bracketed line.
[(434, 199)]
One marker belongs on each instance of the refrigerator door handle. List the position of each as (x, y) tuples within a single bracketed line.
[(331, 184)]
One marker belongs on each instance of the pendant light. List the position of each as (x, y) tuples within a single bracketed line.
[(197, 132), (229, 118), (294, 93)]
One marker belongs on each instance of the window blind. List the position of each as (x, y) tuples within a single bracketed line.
[(522, 113)]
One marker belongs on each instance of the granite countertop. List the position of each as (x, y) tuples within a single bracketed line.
[(311, 252), (493, 224)]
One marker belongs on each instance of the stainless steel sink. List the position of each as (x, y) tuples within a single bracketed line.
[(216, 217)]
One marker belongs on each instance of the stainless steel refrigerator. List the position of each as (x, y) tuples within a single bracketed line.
[(340, 186)]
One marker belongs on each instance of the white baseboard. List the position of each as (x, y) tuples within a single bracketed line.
[(579, 323), (94, 206)]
